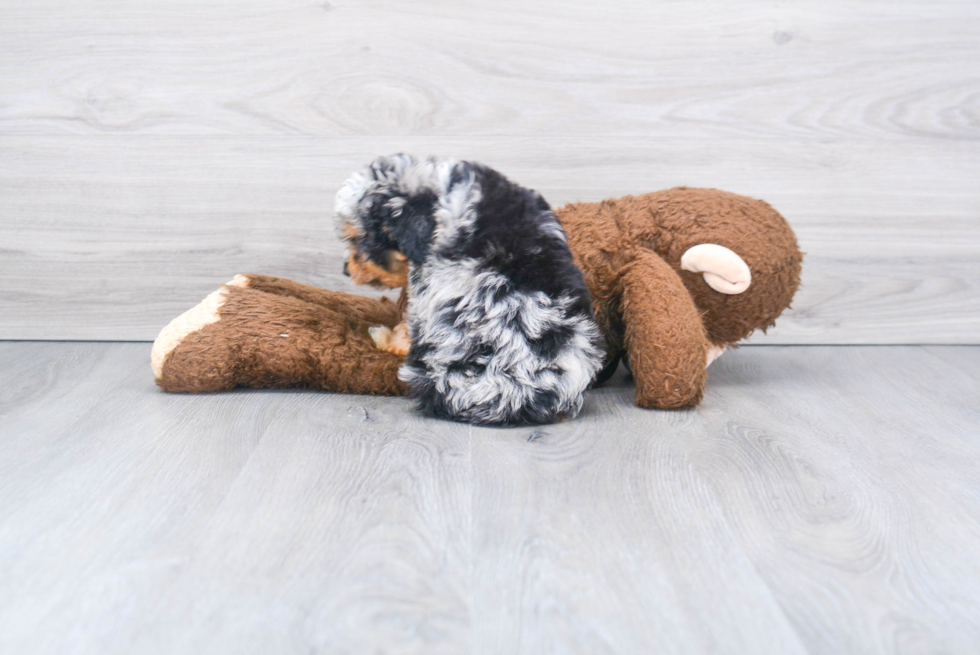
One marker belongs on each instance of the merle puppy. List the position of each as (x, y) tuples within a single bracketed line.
[(499, 318)]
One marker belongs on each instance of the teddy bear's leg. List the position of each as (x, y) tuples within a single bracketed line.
[(386, 318), (241, 336), (381, 311), (665, 339)]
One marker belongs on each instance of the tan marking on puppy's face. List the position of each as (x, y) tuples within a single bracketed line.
[(364, 271), (351, 232)]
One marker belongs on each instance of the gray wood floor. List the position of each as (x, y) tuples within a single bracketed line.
[(821, 500)]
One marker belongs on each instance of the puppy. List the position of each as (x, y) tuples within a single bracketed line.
[(499, 318)]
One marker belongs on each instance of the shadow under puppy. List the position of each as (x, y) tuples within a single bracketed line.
[(500, 327)]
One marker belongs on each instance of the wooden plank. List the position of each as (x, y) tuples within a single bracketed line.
[(966, 360), (135, 521), (111, 237), (849, 474), (846, 478), (821, 499), (348, 530), (803, 70), (574, 523)]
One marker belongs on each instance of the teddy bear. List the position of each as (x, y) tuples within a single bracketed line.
[(675, 277)]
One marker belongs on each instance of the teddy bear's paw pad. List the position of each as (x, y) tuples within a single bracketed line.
[(723, 269), (205, 313)]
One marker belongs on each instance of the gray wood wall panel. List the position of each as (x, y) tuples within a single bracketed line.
[(148, 152), (820, 500)]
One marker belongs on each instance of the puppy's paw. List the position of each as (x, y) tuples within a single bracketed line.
[(393, 341), (399, 343)]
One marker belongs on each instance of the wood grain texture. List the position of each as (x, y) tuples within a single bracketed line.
[(123, 243), (885, 473), (136, 521), (148, 152), (821, 500), (632, 67)]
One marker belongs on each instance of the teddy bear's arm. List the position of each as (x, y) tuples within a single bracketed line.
[(665, 339)]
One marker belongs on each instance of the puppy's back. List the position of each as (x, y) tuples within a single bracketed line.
[(500, 317)]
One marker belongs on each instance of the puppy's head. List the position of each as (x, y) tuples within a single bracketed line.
[(379, 267), (386, 218)]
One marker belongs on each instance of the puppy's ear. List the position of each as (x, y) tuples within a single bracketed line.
[(412, 226)]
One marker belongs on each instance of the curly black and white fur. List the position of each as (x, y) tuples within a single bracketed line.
[(499, 316)]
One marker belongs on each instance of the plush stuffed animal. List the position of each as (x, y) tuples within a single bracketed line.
[(675, 276)]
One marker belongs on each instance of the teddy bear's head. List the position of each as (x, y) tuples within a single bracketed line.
[(737, 257)]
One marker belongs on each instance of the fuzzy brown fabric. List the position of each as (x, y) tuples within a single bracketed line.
[(662, 318), (665, 340), (602, 235), (630, 250), (277, 333)]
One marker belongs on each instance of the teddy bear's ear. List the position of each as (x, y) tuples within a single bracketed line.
[(723, 269)]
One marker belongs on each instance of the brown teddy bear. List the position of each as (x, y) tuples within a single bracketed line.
[(676, 276)]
